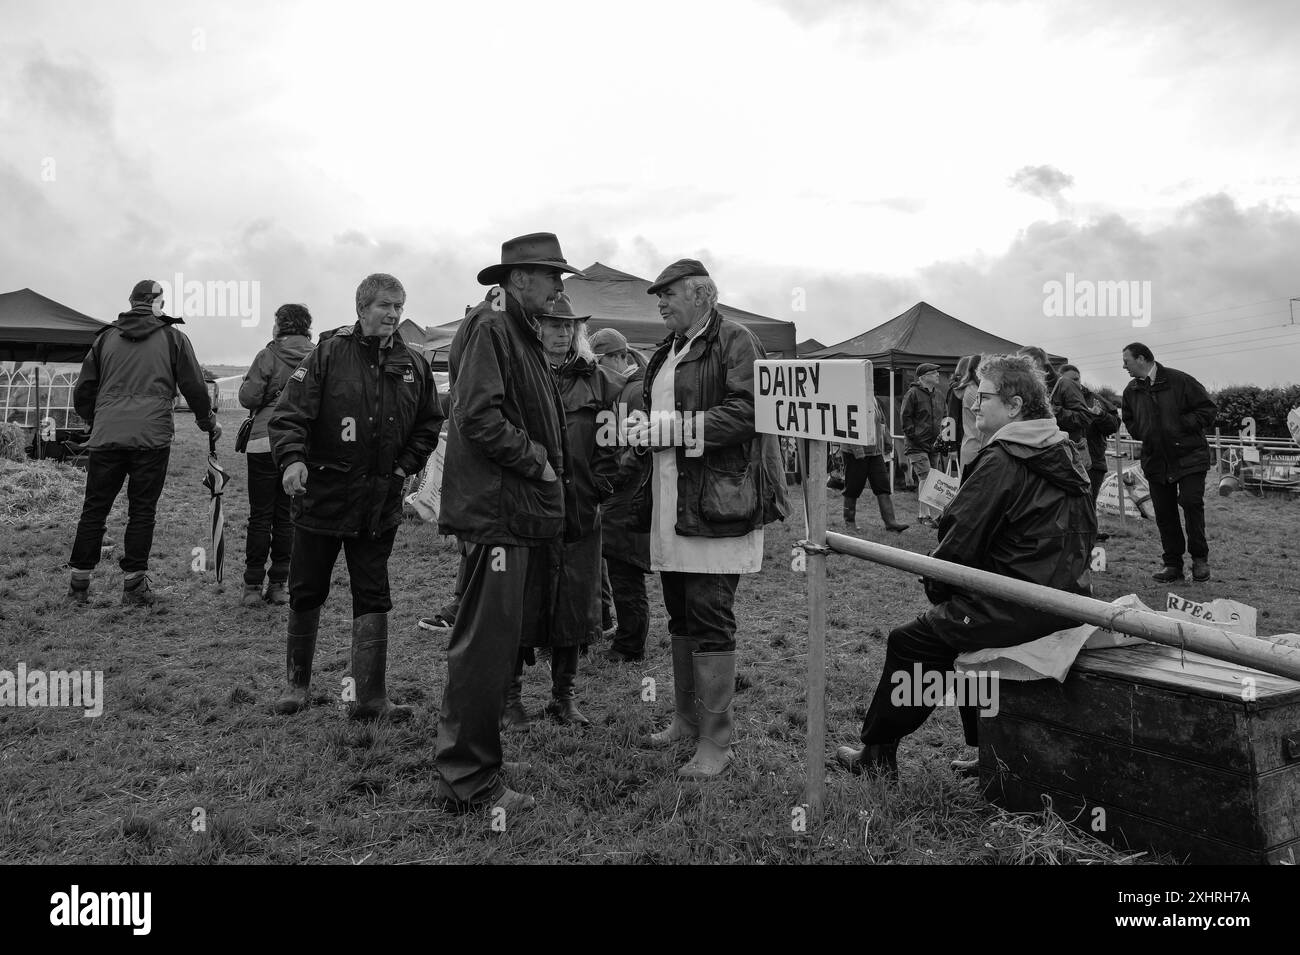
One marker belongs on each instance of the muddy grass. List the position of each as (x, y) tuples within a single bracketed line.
[(187, 763)]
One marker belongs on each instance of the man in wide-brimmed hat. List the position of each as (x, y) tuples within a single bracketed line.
[(708, 496), (503, 497)]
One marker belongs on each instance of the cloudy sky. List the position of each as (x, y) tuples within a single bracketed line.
[(854, 157)]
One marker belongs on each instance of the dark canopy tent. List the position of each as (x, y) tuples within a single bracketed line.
[(617, 300), (37, 329), (921, 334)]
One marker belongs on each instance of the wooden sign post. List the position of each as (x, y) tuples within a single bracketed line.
[(817, 402)]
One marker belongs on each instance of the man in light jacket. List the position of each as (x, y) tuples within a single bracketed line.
[(125, 393)]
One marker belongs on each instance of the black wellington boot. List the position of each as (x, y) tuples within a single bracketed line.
[(303, 626), (369, 663)]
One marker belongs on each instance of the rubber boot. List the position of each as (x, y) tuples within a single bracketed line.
[(303, 626), (564, 680), (851, 512), (686, 722), (369, 663), (886, 504), (514, 718), (715, 685)]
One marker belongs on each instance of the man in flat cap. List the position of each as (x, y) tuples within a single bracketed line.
[(626, 550), (921, 417), (712, 485), (124, 393), (503, 496)]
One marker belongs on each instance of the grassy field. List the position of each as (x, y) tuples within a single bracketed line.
[(187, 734)]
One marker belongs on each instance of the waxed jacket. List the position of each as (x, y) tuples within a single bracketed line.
[(267, 376), (589, 393), (354, 414), (736, 483), (920, 416), (129, 380), (1170, 417), (506, 424), (1024, 511), (618, 539), (1100, 427), (1073, 414)]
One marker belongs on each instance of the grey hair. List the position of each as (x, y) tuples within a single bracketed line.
[(372, 285), (582, 343), (703, 282)]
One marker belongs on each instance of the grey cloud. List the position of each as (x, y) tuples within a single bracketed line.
[(72, 94), (1043, 182)]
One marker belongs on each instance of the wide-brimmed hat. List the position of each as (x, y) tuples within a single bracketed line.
[(561, 308), (538, 250), (678, 270)]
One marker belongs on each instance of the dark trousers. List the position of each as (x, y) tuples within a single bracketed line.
[(633, 609), (1189, 494), (699, 609), (1096, 477), (270, 529), (606, 598), (144, 472), (452, 607), (312, 565), (501, 584), (858, 471), (913, 643)]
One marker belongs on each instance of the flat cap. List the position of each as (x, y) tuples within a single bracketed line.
[(607, 340), (678, 270), (145, 290), (925, 368)]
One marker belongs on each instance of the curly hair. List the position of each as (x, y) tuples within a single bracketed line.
[(292, 320), (1018, 376)]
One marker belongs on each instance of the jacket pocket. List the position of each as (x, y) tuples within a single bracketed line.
[(533, 509), (728, 493), (326, 496)]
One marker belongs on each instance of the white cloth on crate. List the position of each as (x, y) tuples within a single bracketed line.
[(669, 550)]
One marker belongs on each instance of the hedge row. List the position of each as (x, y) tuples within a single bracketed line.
[(1268, 406)]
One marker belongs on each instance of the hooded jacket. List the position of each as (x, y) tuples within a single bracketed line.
[(590, 395), (1024, 511), (1170, 417), (129, 380), (1100, 427), (920, 417), (354, 414), (268, 375), (618, 539), (506, 425)]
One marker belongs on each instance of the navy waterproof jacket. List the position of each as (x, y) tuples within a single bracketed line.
[(1170, 417), (354, 415)]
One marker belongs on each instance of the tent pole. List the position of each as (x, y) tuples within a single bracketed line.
[(894, 462), (38, 451)]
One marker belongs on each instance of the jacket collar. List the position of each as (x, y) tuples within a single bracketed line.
[(396, 354), (707, 334)]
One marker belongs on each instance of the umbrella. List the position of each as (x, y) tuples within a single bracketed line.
[(215, 481)]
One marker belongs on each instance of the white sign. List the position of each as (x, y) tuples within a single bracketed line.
[(822, 400), (1221, 613)]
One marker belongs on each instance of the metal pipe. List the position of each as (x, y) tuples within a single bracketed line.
[(1276, 658)]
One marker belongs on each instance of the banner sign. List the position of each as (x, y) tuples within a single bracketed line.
[(821, 400)]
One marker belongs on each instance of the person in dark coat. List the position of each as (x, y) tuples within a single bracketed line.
[(1104, 423), (270, 527), (503, 495), (626, 550), (1169, 412), (358, 416), (866, 463), (572, 619), (1073, 413), (124, 393), (1024, 512), (709, 489), (921, 417)]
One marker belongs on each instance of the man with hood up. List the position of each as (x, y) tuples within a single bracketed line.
[(125, 392), (1024, 511)]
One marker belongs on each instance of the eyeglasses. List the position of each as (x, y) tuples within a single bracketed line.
[(981, 395)]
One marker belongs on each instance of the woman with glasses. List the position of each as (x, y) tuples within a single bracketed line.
[(1024, 511)]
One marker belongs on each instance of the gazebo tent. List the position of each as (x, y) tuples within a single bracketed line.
[(618, 300), (921, 334), (37, 329), (808, 345)]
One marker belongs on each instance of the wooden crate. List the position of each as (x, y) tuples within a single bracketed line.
[(1169, 745)]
